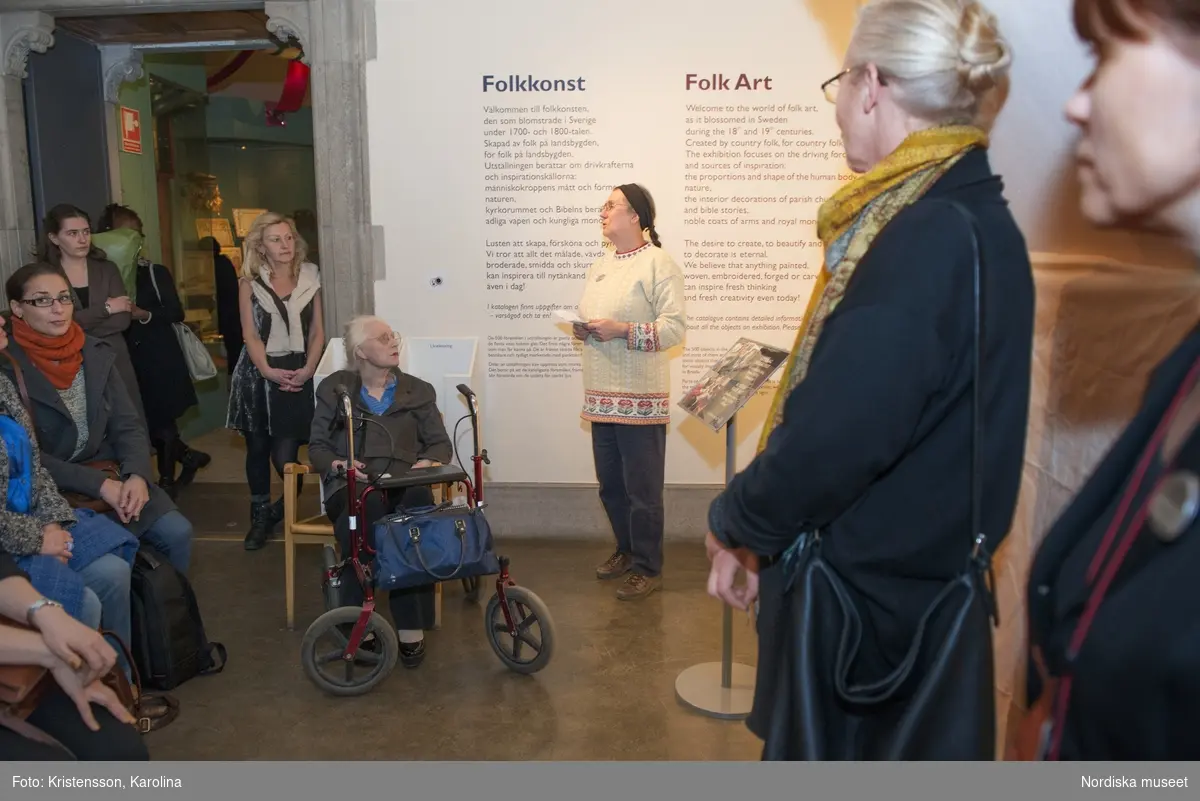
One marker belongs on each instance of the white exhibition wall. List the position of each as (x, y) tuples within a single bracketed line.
[(497, 132)]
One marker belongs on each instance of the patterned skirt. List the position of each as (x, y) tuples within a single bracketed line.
[(259, 405)]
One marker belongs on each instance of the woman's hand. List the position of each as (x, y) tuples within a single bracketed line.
[(339, 466), (726, 564), (604, 330), (281, 377), (139, 313), (110, 492), (300, 377), (78, 647), (423, 463), (56, 542), (134, 495), (581, 332), (117, 305), (84, 692)]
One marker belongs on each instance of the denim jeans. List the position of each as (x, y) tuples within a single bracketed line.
[(171, 535), (630, 467), (91, 613), (108, 577)]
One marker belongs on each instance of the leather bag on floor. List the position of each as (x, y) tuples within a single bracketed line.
[(937, 704)]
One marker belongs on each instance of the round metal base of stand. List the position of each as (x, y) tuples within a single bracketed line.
[(700, 688)]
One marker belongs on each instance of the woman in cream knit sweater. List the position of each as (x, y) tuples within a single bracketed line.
[(633, 302)]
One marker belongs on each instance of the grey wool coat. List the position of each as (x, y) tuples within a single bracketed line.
[(21, 534), (104, 282), (114, 430)]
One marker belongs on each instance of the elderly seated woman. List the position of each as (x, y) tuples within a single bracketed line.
[(92, 441), (79, 714), (88, 577), (406, 407)]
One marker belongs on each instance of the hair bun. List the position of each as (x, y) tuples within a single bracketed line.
[(983, 55)]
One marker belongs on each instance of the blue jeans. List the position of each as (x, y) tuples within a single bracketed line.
[(91, 613), (108, 577), (171, 534)]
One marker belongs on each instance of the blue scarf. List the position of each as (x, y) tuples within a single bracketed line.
[(20, 465)]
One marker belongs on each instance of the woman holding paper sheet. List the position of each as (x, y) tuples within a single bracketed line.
[(633, 305), (869, 443)]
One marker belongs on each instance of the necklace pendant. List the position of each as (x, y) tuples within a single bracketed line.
[(1175, 505)]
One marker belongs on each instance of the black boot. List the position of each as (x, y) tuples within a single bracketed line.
[(260, 525), (191, 461), (166, 452)]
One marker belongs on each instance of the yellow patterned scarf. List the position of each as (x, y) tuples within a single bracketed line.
[(849, 222)]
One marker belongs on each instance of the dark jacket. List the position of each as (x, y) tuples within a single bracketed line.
[(874, 445), (104, 282), (1134, 692), (162, 372), (114, 430), (414, 421), (9, 569)]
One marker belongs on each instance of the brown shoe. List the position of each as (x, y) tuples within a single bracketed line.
[(638, 586), (616, 566)]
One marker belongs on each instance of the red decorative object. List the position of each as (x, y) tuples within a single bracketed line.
[(295, 87)]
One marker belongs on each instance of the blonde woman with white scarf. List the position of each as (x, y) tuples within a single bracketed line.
[(271, 389)]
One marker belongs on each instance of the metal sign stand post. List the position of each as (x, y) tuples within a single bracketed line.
[(721, 689)]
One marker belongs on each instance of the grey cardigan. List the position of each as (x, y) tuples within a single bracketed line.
[(114, 430), (413, 420), (21, 534)]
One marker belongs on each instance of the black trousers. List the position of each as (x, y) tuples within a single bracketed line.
[(631, 468), (57, 716), (413, 607)]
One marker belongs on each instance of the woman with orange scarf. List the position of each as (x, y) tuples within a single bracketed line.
[(868, 448), (84, 418)]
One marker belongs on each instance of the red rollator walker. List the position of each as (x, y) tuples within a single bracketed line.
[(349, 650)]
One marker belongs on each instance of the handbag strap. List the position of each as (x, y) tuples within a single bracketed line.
[(980, 557), (154, 283), (19, 376)]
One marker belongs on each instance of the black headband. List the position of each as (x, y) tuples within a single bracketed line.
[(640, 202)]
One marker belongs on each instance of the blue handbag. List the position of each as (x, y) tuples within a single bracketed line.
[(429, 544)]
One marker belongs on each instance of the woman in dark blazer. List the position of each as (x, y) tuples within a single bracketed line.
[(407, 433), (103, 308), (163, 377), (1113, 589), (83, 414), (869, 439)]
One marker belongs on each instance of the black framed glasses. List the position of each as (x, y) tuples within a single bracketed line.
[(45, 301)]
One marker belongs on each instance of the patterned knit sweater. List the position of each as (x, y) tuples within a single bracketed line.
[(628, 380)]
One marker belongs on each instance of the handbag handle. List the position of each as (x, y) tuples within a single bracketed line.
[(21, 388), (980, 557)]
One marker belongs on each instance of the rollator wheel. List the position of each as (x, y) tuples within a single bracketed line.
[(532, 647), (471, 585), (326, 640)]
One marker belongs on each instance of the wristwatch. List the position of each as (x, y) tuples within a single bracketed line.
[(36, 605)]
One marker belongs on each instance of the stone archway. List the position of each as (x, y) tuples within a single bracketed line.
[(338, 38)]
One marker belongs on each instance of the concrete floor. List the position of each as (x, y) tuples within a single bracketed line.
[(607, 695)]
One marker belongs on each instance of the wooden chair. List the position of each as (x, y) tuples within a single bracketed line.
[(316, 530)]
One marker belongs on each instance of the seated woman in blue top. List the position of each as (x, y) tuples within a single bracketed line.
[(87, 574), (404, 406)]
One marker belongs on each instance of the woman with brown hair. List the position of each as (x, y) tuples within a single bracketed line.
[(1112, 590), (271, 392), (103, 308)]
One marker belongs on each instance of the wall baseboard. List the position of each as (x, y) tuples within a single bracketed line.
[(574, 512)]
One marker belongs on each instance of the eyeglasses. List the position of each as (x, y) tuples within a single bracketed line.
[(610, 206), (45, 301), (388, 338), (830, 87)]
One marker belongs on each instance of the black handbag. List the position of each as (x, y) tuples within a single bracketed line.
[(937, 704)]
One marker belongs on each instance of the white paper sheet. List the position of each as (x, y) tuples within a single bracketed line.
[(569, 316)]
